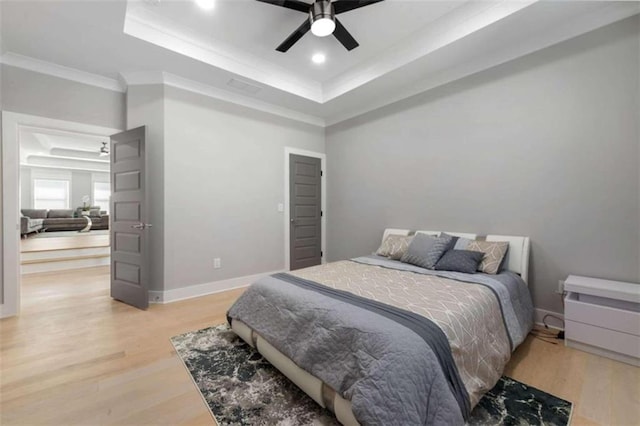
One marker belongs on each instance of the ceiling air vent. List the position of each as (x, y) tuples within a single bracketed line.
[(245, 87)]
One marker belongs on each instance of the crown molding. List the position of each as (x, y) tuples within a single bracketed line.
[(454, 26), (144, 24), (142, 78), (586, 22), (153, 77), (608, 14), (172, 80), (60, 71), (57, 167)]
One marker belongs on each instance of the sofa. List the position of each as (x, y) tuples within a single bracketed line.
[(29, 225), (36, 220)]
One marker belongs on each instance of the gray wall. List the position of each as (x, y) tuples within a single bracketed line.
[(545, 146), (33, 93), (224, 177), (145, 107), (82, 184)]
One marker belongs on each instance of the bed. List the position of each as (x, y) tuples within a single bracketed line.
[(380, 341)]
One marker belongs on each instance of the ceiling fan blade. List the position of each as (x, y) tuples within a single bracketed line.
[(290, 4), (344, 37), (342, 6), (295, 36)]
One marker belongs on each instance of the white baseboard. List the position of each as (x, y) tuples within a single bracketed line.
[(551, 321), (198, 290)]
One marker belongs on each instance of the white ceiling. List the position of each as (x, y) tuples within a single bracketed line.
[(406, 46), (62, 150), (255, 28)]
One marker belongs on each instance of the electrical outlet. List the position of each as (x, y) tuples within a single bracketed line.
[(560, 289), (217, 263)]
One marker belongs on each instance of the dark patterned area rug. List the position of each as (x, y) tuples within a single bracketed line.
[(242, 388)]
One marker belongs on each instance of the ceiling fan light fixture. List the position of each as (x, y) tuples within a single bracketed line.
[(322, 19), (323, 27), (104, 150)]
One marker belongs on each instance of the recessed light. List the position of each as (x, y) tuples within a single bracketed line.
[(318, 58), (206, 4)]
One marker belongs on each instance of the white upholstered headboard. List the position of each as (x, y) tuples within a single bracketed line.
[(518, 254), (517, 259)]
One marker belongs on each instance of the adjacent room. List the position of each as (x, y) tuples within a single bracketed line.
[(64, 201), (320, 212)]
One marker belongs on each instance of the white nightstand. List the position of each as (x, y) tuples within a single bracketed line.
[(603, 317)]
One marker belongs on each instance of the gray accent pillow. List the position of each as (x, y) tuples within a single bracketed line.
[(466, 261), (462, 243), (79, 211), (458, 243), (60, 214), (453, 241), (34, 213), (95, 212), (425, 251)]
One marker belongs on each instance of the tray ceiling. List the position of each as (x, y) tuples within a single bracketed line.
[(406, 46)]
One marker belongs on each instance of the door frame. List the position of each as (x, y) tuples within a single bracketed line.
[(323, 202), (11, 124)]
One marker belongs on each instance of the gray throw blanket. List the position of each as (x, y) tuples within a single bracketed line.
[(426, 329)]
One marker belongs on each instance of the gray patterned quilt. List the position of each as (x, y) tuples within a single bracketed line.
[(383, 363)]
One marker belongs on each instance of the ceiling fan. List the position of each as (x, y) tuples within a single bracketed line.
[(322, 20), (104, 149)]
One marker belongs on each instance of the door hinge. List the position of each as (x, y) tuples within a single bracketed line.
[(321, 254), (321, 213), (321, 172)]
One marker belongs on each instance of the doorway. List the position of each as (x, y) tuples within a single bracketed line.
[(55, 197), (305, 208), (64, 200)]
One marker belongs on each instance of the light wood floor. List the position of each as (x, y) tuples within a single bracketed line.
[(74, 356), (79, 241)]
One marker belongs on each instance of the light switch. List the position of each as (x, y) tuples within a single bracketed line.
[(280, 207)]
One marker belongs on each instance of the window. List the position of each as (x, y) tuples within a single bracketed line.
[(50, 194), (101, 195)]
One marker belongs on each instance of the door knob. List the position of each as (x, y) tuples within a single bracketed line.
[(293, 221), (142, 225)]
